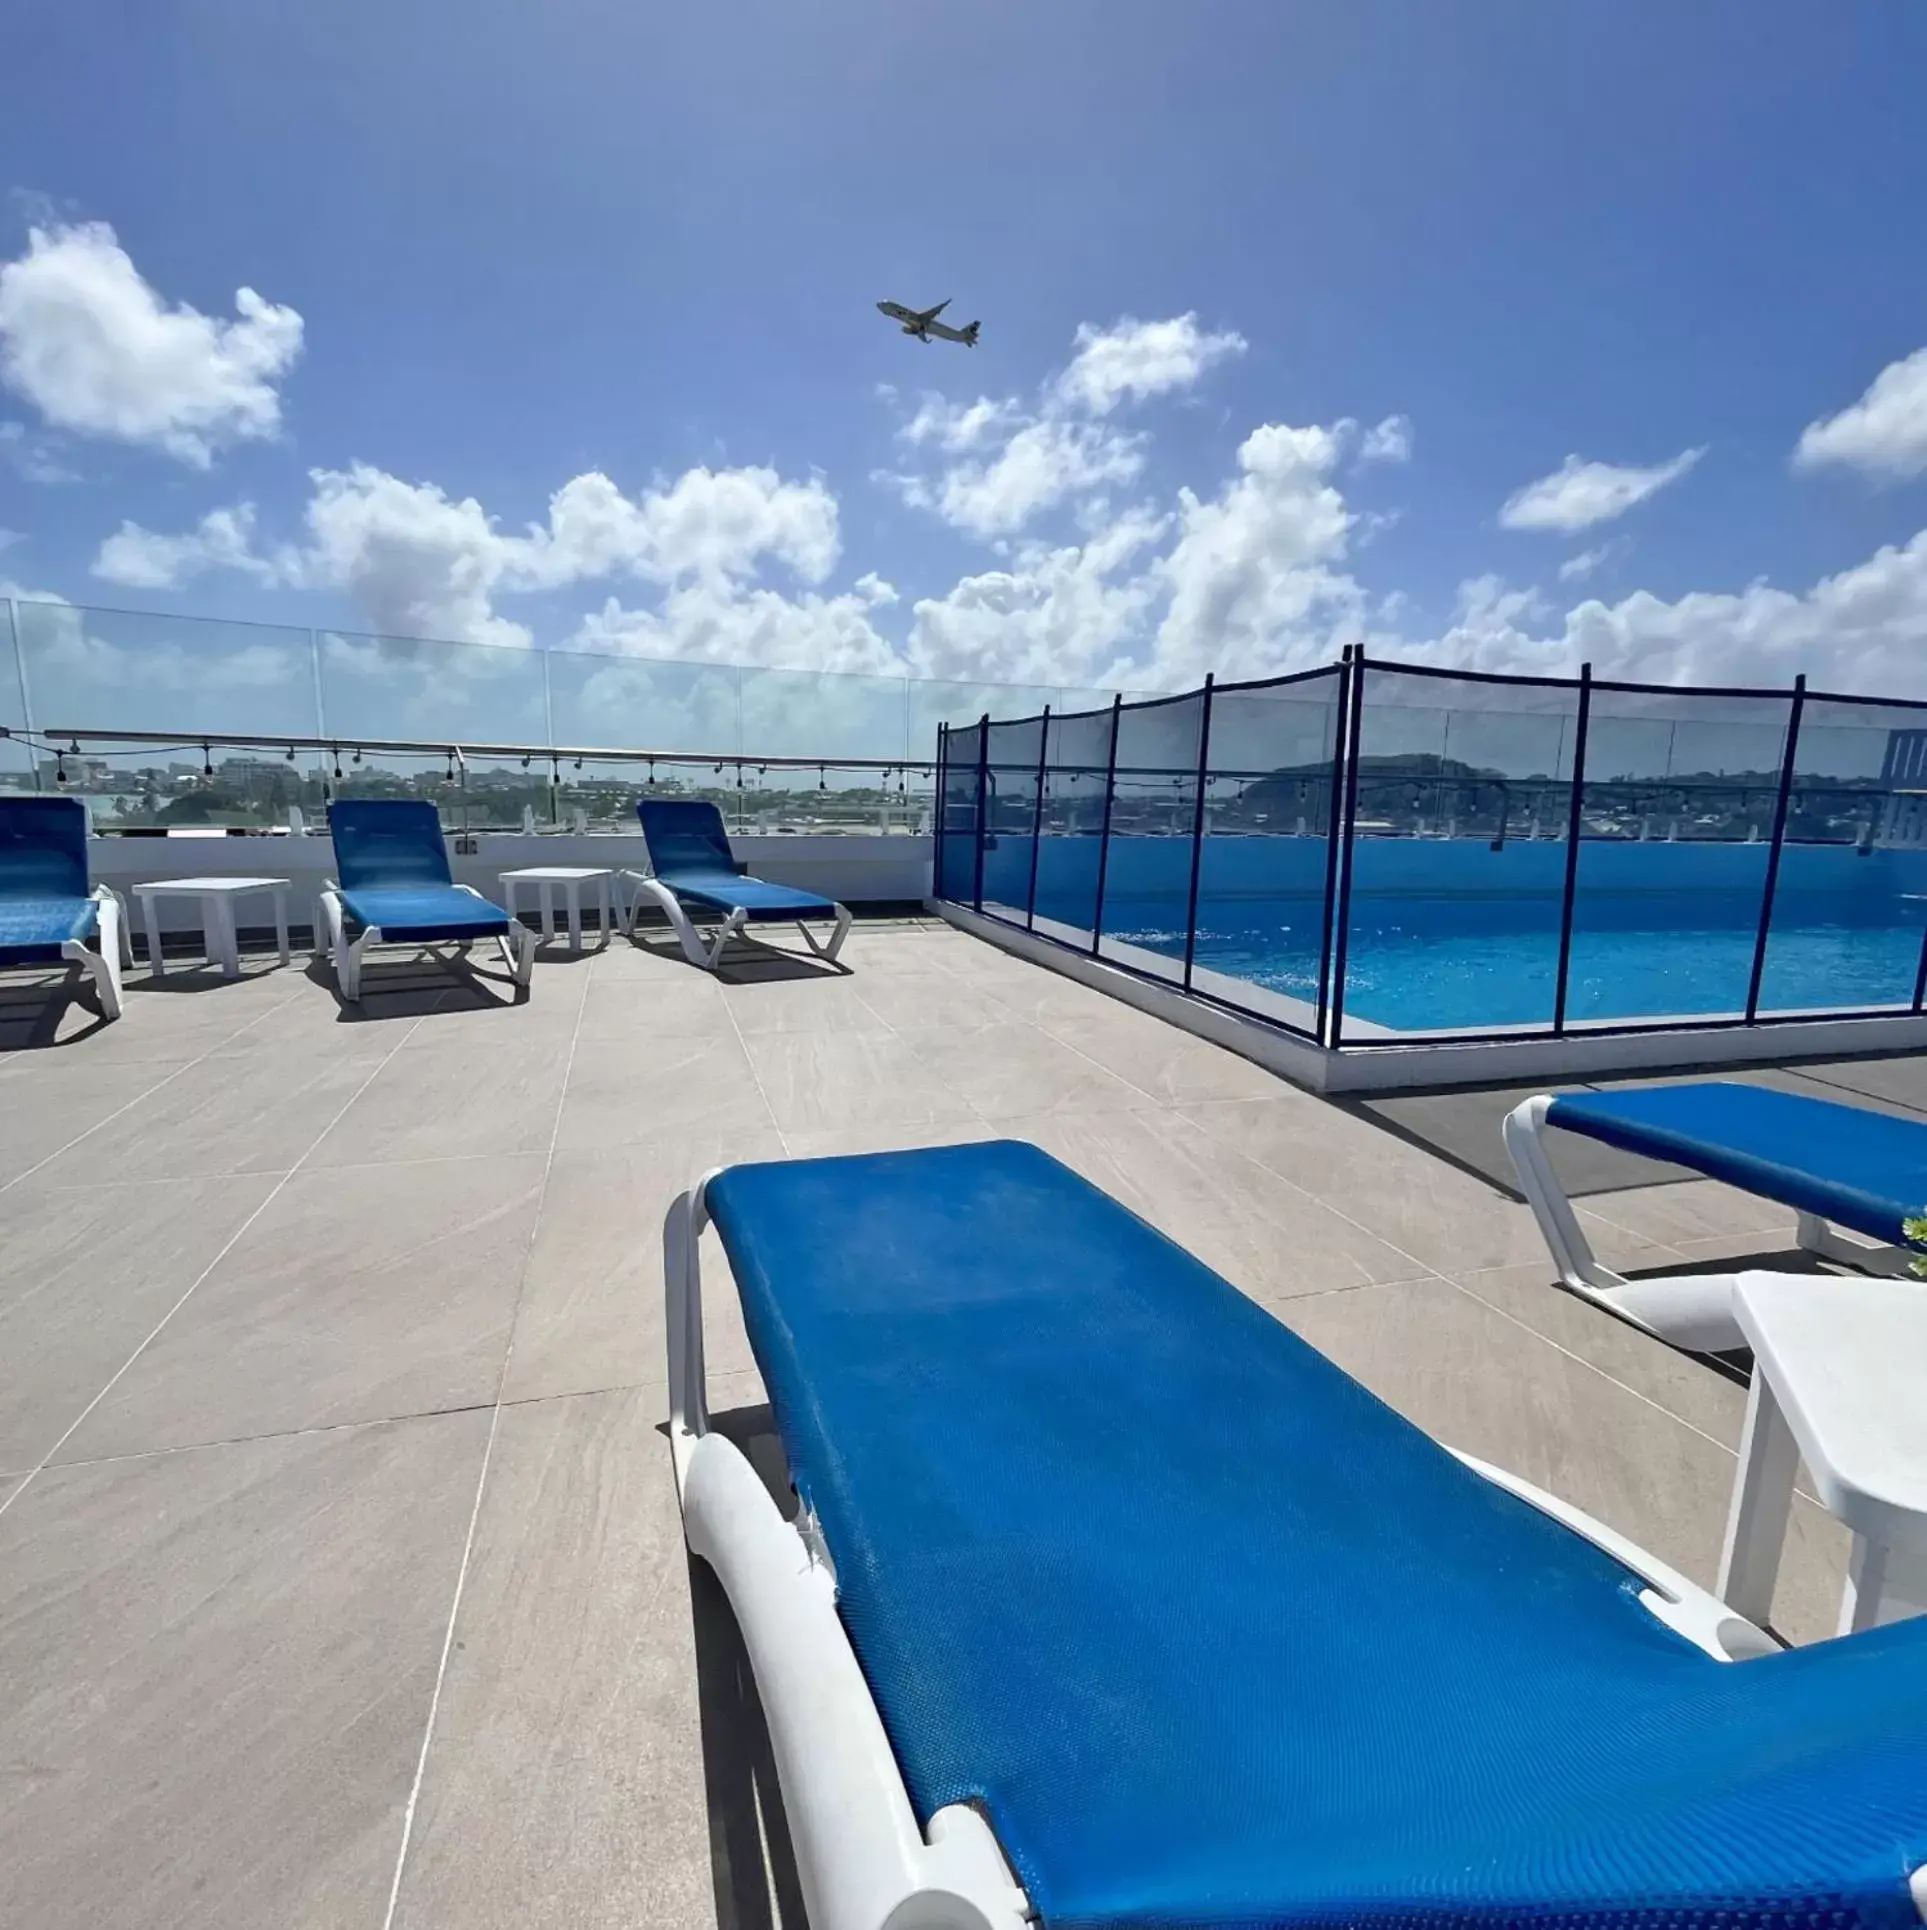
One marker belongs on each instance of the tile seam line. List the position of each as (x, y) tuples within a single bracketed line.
[(227, 1246), (185, 1066), (1428, 1272), (413, 1804)]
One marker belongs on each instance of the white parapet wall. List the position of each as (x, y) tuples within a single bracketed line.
[(856, 871)]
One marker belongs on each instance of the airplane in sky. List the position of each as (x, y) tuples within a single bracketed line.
[(923, 323)]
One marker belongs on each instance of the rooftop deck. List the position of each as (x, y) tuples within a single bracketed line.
[(340, 1574)]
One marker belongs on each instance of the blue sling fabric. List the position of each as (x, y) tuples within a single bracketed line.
[(394, 873), (685, 835), (426, 914), (689, 850), (1214, 1638), (44, 884), (1866, 1170)]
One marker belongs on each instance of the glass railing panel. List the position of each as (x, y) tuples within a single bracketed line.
[(1071, 827), (1675, 827), (798, 713), (604, 702), (1147, 863), (114, 670), (401, 689), (1458, 855), (1010, 817), (955, 869), (1850, 900), (1261, 872)]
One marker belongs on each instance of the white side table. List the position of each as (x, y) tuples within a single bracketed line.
[(1839, 1382), (571, 877), (217, 896)]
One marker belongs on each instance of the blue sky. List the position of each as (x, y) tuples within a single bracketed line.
[(1283, 306)]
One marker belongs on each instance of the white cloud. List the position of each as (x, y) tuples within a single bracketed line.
[(1884, 433), (716, 622), (142, 560), (9, 537), (1133, 360), (1579, 494), (96, 350), (1041, 465), (33, 458), (421, 563), (1388, 441), (956, 426), (1009, 462), (1070, 614), (1575, 569), (1253, 587)]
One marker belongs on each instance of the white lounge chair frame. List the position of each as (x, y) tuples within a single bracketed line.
[(708, 953), (332, 941), (1690, 1310), (863, 1862), (116, 951)]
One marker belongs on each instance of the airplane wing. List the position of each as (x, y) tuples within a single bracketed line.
[(925, 316)]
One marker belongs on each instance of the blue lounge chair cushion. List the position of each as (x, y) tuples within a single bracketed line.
[(1215, 1638), (426, 914), (43, 849), (689, 851), (1861, 1169), (32, 930), (751, 896), (388, 844)]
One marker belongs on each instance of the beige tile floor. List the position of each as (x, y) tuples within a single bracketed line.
[(340, 1575)]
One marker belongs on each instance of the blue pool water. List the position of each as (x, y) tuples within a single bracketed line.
[(1446, 934)]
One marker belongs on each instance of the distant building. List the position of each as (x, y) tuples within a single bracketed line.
[(1906, 760)]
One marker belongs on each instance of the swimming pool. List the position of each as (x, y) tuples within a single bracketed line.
[(1450, 935)]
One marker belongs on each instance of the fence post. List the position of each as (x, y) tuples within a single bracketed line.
[(1104, 837), (548, 702), (26, 703), (314, 669), (1340, 928), (1334, 835), (1037, 821), (1780, 803), (1197, 832), (1574, 804), (983, 808), (936, 814)]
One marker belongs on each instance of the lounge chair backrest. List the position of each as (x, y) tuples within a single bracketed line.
[(43, 848), (388, 844), (686, 837)]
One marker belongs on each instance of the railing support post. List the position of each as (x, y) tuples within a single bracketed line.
[(1340, 928), (937, 812), (1037, 819), (983, 809), (1197, 833), (1780, 803), (1575, 803), (1104, 838), (1334, 837)]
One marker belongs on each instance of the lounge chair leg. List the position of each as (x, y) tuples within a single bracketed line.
[(351, 956), (523, 963), (1571, 1251), (687, 935), (730, 927), (1819, 1237), (827, 953), (102, 966)]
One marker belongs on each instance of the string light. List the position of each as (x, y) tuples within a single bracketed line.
[(652, 770), (207, 761), (822, 778), (357, 758), (337, 763), (290, 753)]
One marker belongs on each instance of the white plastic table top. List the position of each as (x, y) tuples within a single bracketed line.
[(1847, 1362), (559, 874), (201, 887)]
